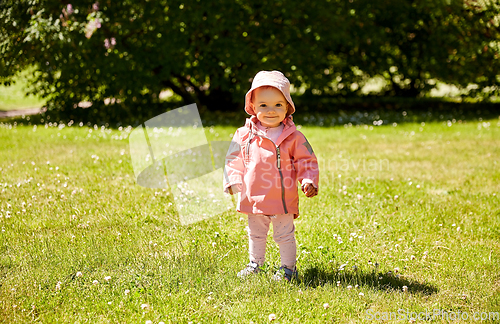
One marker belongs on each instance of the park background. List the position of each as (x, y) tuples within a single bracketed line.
[(399, 100)]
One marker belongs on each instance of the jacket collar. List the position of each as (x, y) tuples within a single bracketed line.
[(251, 123)]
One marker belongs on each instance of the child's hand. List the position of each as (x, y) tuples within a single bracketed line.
[(309, 190), (234, 189)]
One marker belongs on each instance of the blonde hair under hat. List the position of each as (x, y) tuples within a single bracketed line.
[(274, 79)]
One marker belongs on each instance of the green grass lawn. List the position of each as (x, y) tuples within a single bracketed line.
[(413, 205), (14, 97)]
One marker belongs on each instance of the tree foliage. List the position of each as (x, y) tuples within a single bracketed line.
[(120, 55)]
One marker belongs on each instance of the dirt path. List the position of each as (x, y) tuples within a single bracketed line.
[(16, 113)]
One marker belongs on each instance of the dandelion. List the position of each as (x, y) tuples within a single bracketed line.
[(79, 274), (326, 306), (272, 317)]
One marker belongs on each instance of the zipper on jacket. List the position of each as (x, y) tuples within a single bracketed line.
[(278, 163), (281, 178), (248, 144)]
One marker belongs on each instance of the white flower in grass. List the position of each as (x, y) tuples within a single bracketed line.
[(349, 287), (405, 288), (361, 294), (79, 274), (127, 291), (412, 257), (58, 285), (396, 197), (272, 317), (326, 306), (338, 283), (107, 278), (149, 322), (95, 282), (144, 306)]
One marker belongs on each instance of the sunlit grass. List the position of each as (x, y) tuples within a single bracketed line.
[(14, 96), (408, 217)]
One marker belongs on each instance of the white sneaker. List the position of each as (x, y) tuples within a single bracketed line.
[(286, 273), (250, 268)]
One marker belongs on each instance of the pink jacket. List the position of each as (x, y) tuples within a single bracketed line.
[(268, 172)]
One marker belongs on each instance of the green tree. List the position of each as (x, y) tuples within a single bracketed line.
[(117, 56)]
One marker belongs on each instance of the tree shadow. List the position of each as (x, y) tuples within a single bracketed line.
[(315, 277)]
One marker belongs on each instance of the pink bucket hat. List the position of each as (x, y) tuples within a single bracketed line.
[(270, 78)]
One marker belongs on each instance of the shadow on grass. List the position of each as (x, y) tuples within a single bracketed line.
[(315, 277)]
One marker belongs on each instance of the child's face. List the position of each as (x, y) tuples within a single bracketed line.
[(270, 106)]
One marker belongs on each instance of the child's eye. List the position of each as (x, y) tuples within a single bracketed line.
[(262, 105), (278, 105)]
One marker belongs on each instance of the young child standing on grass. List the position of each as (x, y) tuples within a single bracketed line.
[(266, 158)]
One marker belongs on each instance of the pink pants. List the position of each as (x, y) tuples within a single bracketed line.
[(284, 235)]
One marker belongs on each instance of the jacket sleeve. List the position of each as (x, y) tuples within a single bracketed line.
[(305, 162), (234, 166)]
